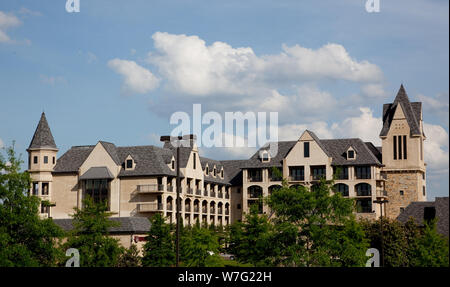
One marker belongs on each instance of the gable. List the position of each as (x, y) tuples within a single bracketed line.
[(99, 156)]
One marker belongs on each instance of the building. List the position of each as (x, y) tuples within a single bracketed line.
[(138, 181), (429, 210)]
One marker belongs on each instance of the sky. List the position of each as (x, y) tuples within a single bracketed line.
[(117, 70)]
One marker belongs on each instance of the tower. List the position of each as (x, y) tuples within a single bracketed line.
[(402, 153), (41, 161)]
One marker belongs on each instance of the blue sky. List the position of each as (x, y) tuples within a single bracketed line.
[(117, 70)]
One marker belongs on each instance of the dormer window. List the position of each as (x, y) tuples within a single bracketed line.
[(215, 171), (351, 154), (265, 157), (129, 164), (207, 170), (221, 173), (173, 164)]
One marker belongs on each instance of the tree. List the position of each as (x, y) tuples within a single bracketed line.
[(25, 239), (201, 248), (159, 249), (130, 257), (90, 235), (250, 240), (430, 249), (327, 232)]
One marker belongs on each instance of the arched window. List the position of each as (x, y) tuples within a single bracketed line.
[(341, 188), (363, 189), (254, 191)]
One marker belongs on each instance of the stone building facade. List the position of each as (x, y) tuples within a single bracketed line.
[(139, 181)]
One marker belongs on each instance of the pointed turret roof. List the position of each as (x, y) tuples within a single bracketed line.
[(42, 137), (412, 112)]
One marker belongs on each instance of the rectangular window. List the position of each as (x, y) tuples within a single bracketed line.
[(399, 147), (173, 165), (318, 172), (195, 161), (35, 159), (306, 149), (341, 172), (35, 188), (423, 191), (45, 188), (404, 147), (129, 163), (45, 209), (238, 206), (421, 150), (402, 209), (54, 160), (98, 190), (45, 159), (297, 172), (254, 175), (351, 154), (364, 205), (395, 147), (363, 172), (402, 192)]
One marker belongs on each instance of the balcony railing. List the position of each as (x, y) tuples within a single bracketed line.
[(254, 178), (204, 210), (381, 176), (254, 195), (187, 209), (169, 206), (381, 193), (212, 210), (170, 188), (219, 211), (205, 192), (220, 195), (149, 188), (190, 190), (317, 176), (296, 178), (198, 192), (196, 208), (212, 194), (227, 196), (149, 207), (227, 212)]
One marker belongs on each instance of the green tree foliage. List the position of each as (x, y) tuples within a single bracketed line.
[(408, 245), (90, 235), (25, 239), (200, 247), (250, 240), (431, 249), (326, 232), (159, 249), (130, 257)]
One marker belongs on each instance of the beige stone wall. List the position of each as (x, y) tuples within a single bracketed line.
[(130, 198), (65, 194)]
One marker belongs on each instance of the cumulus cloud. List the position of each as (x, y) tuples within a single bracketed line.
[(1, 143), (7, 21), (136, 79), (436, 148), (195, 68), (373, 90)]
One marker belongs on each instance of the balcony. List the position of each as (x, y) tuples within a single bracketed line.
[(196, 209), (205, 192), (297, 178), (204, 210), (212, 194), (212, 210), (220, 194), (198, 192), (150, 188), (170, 188), (149, 207), (381, 177), (187, 208), (381, 193), (256, 178), (227, 196), (190, 191), (254, 195), (227, 212), (317, 177), (169, 206), (219, 210)]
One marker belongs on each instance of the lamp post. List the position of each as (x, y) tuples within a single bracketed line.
[(381, 201), (177, 140)]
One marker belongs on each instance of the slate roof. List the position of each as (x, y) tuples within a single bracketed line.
[(149, 160), (275, 161), (337, 149), (233, 170), (72, 159), (416, 211), (211, 163), (42, 137), (127, 225), (412, 112), (98, 172)]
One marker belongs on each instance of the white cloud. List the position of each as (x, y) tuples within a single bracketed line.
[(373, 90), (28, 12), (436, 148), (436, 106), (293, 132), (7, 21), (192, 67), (136, 79)]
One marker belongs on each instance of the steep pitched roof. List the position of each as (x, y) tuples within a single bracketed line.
[(211, 163), (43, 137), (338, 147), (233, 170), (276, 160), (412, 112), (149, 160), (72, 159)]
